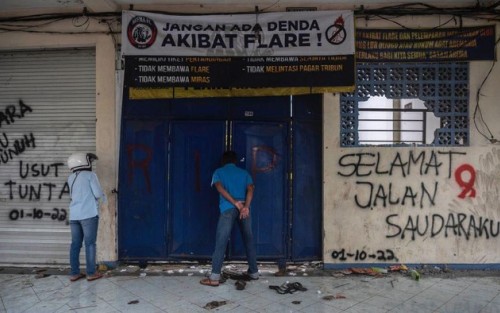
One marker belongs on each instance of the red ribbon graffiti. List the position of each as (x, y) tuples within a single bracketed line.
[(466, 186)]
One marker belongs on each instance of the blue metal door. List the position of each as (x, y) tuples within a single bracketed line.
[(169, 211), (195, 152), (307, 169), (142, 214), (263, 150)]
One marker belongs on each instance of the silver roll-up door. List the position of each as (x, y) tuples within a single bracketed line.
[(47, 112)]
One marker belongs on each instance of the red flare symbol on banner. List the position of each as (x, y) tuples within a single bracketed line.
[(339, 21)]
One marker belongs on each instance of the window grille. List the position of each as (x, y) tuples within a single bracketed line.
[(444, 88), (416, 117)]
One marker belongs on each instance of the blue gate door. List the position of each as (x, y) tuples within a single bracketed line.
[(262, 149), (142, 214), (196, 148), (307, 222)]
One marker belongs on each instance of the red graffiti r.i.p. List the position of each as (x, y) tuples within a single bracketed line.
[(142, 164)]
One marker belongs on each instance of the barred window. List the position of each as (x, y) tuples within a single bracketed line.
[(407, 103)]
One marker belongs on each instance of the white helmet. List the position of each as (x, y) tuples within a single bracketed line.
[(81, 161)]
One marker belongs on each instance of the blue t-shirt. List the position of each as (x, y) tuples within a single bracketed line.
[(85, 190), (235, 180)]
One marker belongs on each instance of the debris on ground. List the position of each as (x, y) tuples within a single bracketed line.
[(332, 297), (39, 270), (131, 269), (415, 275), (398, 267), (214, 304), (133, 302), (41, 275), (288, 287), (312, 269), (304, 269), (379, 270), (341, 285), (240, 284), (365, 271)]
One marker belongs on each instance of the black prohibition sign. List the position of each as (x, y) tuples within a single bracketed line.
[(338, 34)]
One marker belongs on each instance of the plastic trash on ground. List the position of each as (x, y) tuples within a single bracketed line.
[(415, 275)]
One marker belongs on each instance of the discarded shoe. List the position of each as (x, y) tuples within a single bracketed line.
[(288, 288), (240, 285), (208, 282), (76, 277), (279, 289), (298, 286), (97, 275), (283, 289)]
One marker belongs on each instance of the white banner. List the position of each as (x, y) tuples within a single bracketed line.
[(317, 33)]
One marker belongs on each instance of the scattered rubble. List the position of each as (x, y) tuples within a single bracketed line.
[(332, 297), (265, 269), (214, 304)]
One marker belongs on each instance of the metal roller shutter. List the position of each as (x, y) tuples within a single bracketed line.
[(47, 112)]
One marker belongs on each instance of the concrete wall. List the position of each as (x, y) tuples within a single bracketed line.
[(422, 211), (106, 132), (433, 225)]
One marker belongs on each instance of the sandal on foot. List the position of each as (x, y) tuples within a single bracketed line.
[(94, 277), (208, 282), (247, 277), (76, 277)]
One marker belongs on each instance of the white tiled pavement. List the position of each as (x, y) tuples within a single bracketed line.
[(174, 291)]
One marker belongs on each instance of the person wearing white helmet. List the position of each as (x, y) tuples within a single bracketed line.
[(85, 193)]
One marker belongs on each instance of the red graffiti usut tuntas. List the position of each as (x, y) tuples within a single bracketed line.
[(468, 186)]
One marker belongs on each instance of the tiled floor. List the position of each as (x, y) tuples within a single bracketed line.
[(174, 292)]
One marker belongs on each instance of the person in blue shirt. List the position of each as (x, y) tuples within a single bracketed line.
[(85, 193), (236, 189)]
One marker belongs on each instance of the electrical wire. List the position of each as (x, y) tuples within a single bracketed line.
[(478, 108), (2, 29), (270, 6), (76, 23), (415, 29), (75, 19)]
